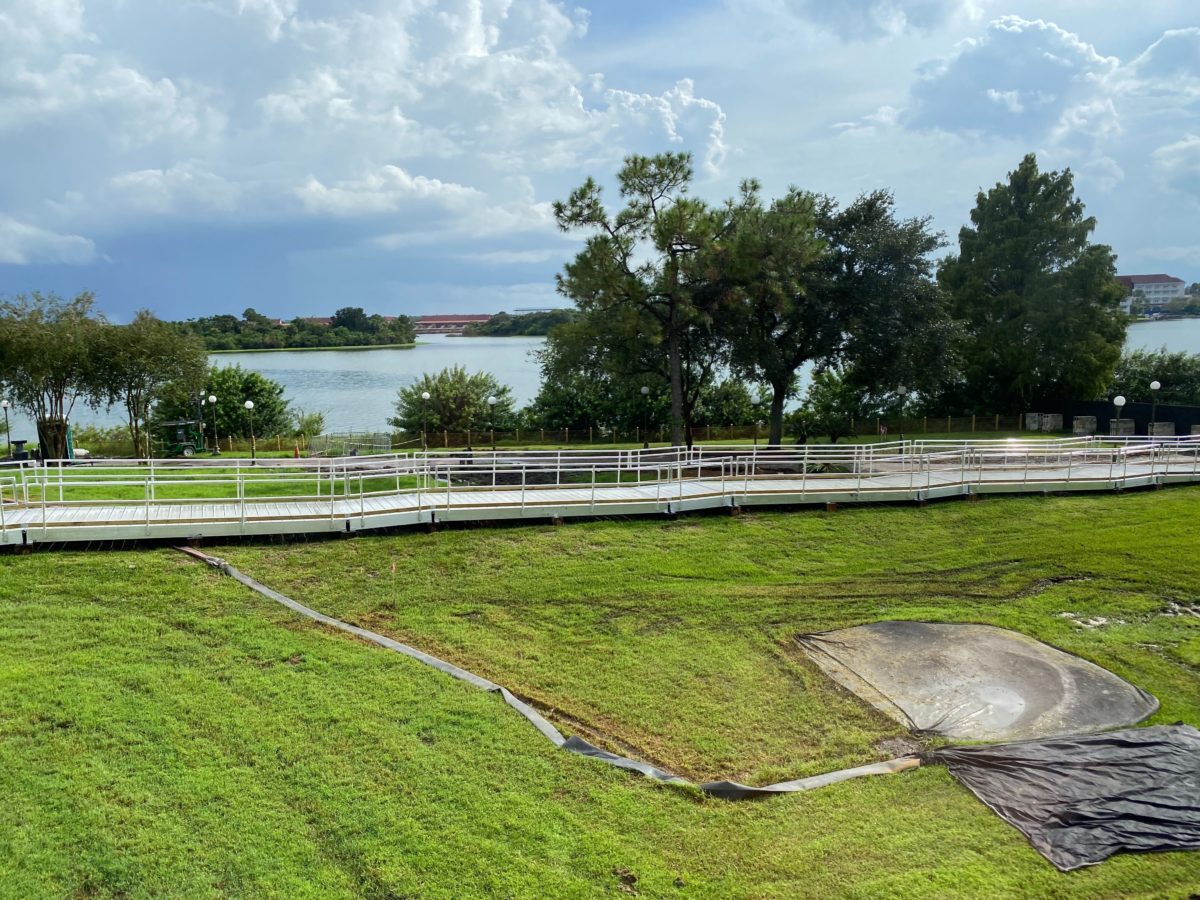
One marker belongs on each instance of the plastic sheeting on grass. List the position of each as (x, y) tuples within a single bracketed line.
[(975, 682), (728, 790), (1081, 799)]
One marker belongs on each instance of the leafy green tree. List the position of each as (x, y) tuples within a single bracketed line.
[(806, 280), (308, 424), (1038, 302), (617, 352), (832, 405), (352, 318), (730, 402), (1178, 373), (232, 386), (644, 257), (49, 361), (457, 402), (138, 361)]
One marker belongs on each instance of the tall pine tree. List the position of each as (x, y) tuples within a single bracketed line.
[(1038, 303)]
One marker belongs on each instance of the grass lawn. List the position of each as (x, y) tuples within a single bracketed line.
[(164, 731)]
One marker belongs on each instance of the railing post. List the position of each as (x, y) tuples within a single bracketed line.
[(593, 487), (804, 474)]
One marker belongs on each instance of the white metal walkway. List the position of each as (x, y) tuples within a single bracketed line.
[(122, 500)]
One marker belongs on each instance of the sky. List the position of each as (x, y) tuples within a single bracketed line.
[(195, 157)]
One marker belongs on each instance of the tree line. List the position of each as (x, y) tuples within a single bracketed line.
[(350, 326), (521, 324), (58, 354), (676, 293)]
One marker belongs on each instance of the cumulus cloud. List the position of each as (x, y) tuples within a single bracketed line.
[(24, 244), (34, 24), (1023, 79), (385, 190), (1169, 68), (1178, 164), (870, 19)]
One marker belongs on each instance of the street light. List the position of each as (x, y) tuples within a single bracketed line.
[(491, 402), (1154, 386), (1118, 402), (754, 401), (7, 432), (212, 403), (253, 445), (902, 392), (645, 417), (424, 420)]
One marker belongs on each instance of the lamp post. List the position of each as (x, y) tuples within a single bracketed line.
[(1118, 403), (7, 432), (645, 417), (212, 404), (1154, 386), (253, 446), (491, 402), (754, 401), (424, 420), (902, 392)]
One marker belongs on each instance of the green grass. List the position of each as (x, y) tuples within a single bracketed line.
[(164, 731)]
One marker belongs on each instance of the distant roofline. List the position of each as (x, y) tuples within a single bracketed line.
[(1150, 279)]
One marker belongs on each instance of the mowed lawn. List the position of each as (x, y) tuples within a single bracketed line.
[(164, 731)]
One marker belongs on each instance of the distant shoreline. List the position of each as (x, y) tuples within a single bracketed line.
[(312, 349)]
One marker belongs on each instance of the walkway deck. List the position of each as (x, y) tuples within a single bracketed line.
[(448, 489)]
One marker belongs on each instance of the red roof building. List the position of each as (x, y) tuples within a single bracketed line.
[(1155, 291)]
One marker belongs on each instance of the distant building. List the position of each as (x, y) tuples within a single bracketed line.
[(1156, 291)]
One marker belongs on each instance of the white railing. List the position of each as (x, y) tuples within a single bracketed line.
[(150, 492)]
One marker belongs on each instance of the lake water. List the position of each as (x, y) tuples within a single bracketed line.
[(356, 389)]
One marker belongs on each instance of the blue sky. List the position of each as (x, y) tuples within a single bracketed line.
[(202, 156)]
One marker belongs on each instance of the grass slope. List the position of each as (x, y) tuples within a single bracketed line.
[(165, 732)]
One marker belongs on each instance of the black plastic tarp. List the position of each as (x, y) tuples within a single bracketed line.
[(1081, 799), (975, 682)]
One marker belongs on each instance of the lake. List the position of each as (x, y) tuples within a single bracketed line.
[(356, 389)]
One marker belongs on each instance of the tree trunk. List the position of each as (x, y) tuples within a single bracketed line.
[(52, 438), (778, 395)]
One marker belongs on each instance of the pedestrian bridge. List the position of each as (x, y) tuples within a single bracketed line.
[(121, 500)]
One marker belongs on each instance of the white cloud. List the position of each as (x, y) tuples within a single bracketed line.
[(1179, 166), (867, 19), (1169, 68), (1021, 79), (388, 189), (182, 188), (33, 24), (22, 244)]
